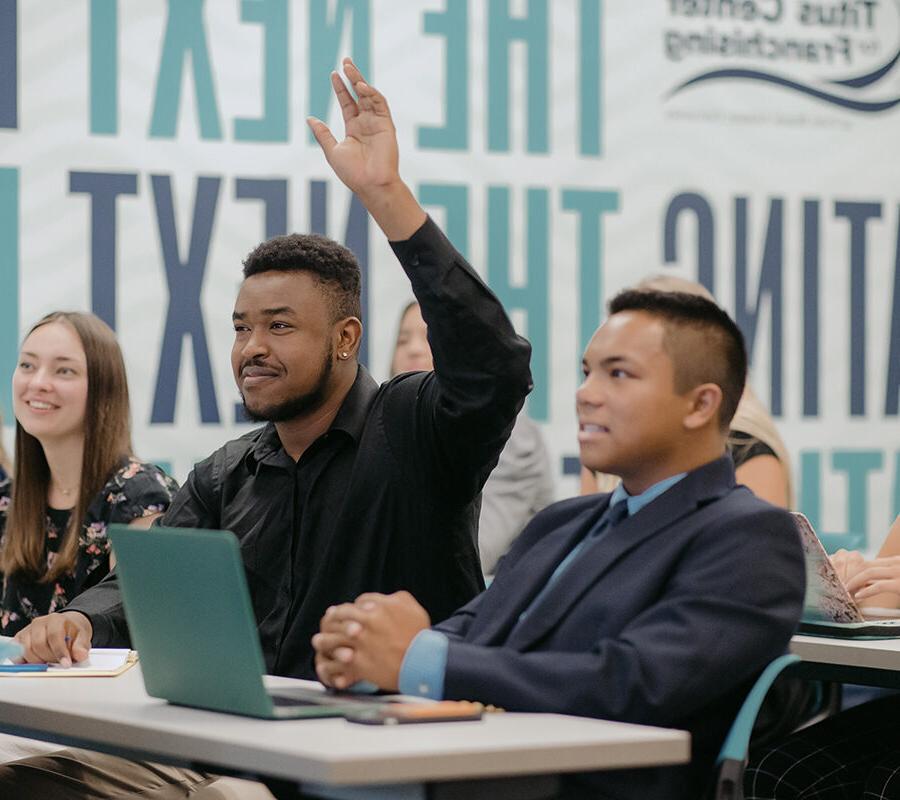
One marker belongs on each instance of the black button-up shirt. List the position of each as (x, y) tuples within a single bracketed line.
[(387, 498)]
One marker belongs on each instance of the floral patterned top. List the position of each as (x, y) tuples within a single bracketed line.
[(136, 489)]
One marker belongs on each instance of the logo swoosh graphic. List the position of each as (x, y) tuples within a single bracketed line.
[(865, 80), (765, 77)]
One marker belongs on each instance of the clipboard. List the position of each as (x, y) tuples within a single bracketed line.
[(103, 662)]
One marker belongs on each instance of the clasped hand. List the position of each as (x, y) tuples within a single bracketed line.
[(367, 640)]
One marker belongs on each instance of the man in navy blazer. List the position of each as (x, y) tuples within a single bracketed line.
[(657, 604)]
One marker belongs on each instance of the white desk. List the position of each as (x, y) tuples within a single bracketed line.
[(874, 662), (116, 715)]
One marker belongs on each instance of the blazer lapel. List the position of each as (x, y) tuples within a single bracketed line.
[(513, 591), (698, 488)]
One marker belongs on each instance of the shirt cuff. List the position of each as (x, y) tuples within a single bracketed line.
[(424, 665), (427, 246)]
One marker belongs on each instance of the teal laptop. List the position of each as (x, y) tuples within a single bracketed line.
[(190, 617)]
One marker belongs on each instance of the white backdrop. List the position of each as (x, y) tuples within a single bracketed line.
[(774, 173)]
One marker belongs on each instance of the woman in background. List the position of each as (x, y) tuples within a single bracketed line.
[(522, 482), (74, 470), (75, 473), (760, 458)]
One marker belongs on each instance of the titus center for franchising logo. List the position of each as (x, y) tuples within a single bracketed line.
[(837, 55)]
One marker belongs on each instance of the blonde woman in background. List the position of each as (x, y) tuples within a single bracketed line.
[(760, 458), (74, 469), (74, 474)]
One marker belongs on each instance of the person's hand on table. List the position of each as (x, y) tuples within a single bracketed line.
[(63, 637), (875, 577), (368, 639)]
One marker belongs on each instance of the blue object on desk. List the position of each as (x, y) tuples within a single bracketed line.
[(9, 648), (23, 667)]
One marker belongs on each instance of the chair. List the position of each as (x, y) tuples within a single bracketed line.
[(729, 769)]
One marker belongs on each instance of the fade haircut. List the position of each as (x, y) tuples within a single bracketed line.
[(703, 342), (330, 264)]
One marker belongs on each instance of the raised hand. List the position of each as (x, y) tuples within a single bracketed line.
[(367, 159)]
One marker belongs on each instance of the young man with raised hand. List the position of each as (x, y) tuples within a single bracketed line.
[(350, 485), (657, 604)]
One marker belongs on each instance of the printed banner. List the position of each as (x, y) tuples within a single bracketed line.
[(568, 148)]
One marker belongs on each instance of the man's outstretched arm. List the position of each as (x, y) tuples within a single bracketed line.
[(481, 366)]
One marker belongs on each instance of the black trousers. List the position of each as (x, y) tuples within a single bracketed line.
[(852, 755)]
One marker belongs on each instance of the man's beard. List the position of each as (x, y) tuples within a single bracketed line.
[(296, 406)]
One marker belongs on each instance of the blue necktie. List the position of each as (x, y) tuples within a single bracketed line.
[(612, 517)]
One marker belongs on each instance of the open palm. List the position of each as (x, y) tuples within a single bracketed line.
[(367, 158)]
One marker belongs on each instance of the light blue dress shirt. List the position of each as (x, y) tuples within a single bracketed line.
[(425, 663)]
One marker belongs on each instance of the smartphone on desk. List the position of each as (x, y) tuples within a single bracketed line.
[(407, 713)]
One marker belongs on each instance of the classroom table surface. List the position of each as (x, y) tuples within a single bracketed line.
[(116, 715), (874, 662)]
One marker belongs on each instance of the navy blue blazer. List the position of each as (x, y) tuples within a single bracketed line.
[(666, 621)]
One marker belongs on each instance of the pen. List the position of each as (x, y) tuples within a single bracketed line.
[(23, 667)]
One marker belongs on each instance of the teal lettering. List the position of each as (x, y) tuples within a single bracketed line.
[(9, 278), (104, 67), (502, 31), (273, 125), (325, 34), (455, 199), (453, 25), (811, 486), (532, 297), (590, 139), (185, 35), (590, 205), (858, 464)]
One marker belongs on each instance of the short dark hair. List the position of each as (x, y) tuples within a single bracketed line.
[(703, 342), (331, 264)]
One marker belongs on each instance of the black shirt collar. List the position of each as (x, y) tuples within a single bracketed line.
[(350, 418)]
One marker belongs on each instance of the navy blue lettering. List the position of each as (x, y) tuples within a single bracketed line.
[(810, 308), (273, 193), (9, 64), (185, 281), (104, 188), (892, 389), (770, 284), (858, 214), (697, 204)]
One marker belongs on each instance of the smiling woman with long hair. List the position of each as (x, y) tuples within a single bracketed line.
[(74, 468)]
